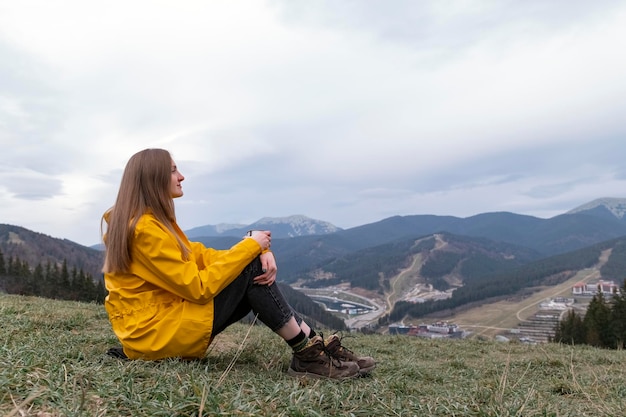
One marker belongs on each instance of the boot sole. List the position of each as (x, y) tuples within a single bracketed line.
[(297, 374), (366, 371)]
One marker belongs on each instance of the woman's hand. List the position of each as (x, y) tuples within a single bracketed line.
[(262, 237), (268, 263)]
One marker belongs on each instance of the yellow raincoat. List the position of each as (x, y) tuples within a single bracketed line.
[(164, 306)]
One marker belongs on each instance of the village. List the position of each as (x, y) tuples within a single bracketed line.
[(537, 328)]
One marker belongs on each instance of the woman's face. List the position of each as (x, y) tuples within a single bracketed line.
[(176, 190)]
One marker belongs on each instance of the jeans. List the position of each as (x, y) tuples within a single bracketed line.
[(242, 296)]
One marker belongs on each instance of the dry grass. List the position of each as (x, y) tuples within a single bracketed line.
[(52, 363)]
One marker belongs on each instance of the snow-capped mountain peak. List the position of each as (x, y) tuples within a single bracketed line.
[(296, 225), (281, 227), (617, 206)]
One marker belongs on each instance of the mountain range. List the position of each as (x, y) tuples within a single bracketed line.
[(281, 227), (452, 251), (583, 226)]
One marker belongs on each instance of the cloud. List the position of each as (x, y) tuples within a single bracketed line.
[(32, 187), (347, 111)]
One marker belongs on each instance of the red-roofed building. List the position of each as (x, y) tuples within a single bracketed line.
[(605, 287)]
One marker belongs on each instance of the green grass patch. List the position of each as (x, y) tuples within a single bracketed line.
[(52, 363)]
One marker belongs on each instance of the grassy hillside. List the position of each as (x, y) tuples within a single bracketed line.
[(52, 364)]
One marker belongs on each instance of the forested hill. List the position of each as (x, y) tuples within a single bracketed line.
[(36, 248), (545, 272), (445, 259)]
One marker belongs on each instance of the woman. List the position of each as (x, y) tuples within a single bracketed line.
[(169, 297)]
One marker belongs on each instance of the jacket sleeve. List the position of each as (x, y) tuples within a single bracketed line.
[(205, 256), (158, 260)]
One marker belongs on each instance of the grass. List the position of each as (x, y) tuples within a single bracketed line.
[(52, 363)]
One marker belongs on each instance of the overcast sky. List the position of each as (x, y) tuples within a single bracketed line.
[(343, 111)]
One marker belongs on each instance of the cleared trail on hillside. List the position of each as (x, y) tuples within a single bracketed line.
[(412, 273)]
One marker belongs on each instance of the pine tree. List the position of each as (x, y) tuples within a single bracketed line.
[(74, 287), (27, 281), (570, 330), (84, 287), (53, 280), (12, 266), (18, 273), (38, 279), (618, 317), (3, 269), (64, 283), (101, 292), (597, 322)]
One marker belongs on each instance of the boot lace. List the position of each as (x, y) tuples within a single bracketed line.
[(335, 360), (341, 347)]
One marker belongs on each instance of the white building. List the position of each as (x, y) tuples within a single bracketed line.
[(605, 287)]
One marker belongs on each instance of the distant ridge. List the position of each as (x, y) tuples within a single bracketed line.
[(214, 230)]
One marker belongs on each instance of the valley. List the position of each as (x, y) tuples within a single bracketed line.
[(407, 285), (369, 309), (487, 321)]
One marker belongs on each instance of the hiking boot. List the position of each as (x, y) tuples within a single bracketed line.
[(336, 350), (314, 361), (117, 352)]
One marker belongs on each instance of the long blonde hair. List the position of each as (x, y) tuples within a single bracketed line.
[(145, 187)]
